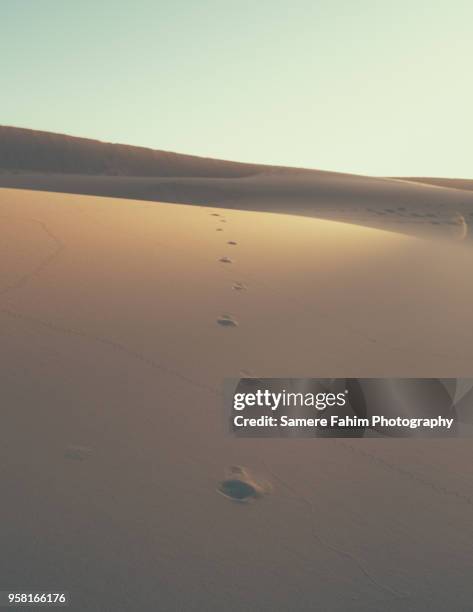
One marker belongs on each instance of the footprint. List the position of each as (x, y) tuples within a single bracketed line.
[(219, 229), (225, 260), (231, 242), (227, 321), (214, 215), (240, 486), (239, 286), (79, 453)]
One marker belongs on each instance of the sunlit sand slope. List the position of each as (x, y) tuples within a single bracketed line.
[(112, 438)]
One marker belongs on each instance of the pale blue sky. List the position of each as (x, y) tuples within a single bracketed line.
[(366, 86)]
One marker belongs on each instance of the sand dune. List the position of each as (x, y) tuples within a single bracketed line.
[(133, 290), (23, 149), (51, 162), (113, 360)]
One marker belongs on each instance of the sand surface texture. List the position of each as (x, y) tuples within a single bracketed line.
[(112, 441)]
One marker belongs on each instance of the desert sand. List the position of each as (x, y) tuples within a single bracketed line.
[(113, 439)]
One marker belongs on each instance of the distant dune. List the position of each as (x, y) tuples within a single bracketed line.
[(31, 150)]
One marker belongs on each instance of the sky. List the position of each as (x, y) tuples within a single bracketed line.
[(368, 86)]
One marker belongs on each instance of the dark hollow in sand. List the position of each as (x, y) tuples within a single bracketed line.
[(231, 242), (240, 486), (225, 259), (227, 321), (238, 490)]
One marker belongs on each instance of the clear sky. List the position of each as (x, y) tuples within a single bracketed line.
[(367, 86)]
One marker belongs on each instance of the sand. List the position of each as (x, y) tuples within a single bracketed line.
[(113, 442), (466, 184)]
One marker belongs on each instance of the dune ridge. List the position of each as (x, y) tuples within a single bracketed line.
[(451, 183), (23, 149)]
